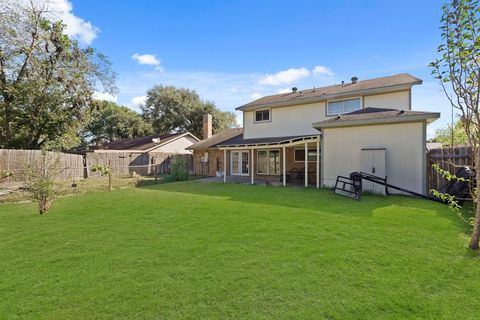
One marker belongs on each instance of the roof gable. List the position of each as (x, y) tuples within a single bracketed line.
[(145, 143), (393, 83), (217, 138)]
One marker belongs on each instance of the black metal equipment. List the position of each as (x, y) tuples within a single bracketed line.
[(352, 187), (460, 188), (348, 187)]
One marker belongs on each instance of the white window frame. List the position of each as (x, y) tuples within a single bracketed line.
[(343, 99), (268, 162), (263, 121), (303, 150)]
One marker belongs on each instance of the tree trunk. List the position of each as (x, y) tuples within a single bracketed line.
[(476, 227), (6, 118)]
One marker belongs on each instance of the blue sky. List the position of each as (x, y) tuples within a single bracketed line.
[(231, 52)]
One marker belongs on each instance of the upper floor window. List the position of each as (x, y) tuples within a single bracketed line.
[(262, 115), (343, 106)]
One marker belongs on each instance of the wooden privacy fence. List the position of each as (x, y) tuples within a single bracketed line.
[(74, 166), (449, 159), (70, 165), (127, 163)]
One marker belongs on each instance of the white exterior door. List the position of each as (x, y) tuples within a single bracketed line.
[(239, 163), (373, 162)]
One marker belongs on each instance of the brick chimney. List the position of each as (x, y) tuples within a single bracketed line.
[(207, 126)]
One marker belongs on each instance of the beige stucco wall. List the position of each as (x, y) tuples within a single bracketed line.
[(297, 120), (398, 100), (178, 145), (405, 152)]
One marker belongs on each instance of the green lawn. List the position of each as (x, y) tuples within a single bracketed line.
[(199, 250)]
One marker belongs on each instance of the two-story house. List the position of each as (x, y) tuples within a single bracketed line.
[(311, 136)]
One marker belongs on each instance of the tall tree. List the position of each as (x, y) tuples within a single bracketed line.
[(172, 109), (458, 69), (107, 121), (448, 135), (46, 79)]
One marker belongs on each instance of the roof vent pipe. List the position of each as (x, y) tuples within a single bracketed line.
[(294, 89), (354, 80)]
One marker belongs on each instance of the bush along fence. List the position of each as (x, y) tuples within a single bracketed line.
[(448, 159), (74, 166)]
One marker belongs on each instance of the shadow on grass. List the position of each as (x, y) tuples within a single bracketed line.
[(322, 200)]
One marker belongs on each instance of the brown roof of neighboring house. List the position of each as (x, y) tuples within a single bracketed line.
[(143, 143), (403, 81), (217, 138), (376, 116)]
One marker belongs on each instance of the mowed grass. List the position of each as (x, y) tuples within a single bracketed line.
[(196, 250)]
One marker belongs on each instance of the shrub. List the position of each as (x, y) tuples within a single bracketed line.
[(178, 169), (39, 182)]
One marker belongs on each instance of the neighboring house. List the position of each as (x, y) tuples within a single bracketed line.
[(312, 136), (141, 154), (170, 143)]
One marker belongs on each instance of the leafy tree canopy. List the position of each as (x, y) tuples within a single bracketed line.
[(171, 109), (107, 121), (444, 135), (458, 70), (46, 79)]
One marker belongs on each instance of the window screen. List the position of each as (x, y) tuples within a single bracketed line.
[(300, 155), (343, 106)]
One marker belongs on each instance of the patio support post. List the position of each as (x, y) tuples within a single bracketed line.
[(318, 164), (252, 169), (284, 168), (306, 164), (224, 165)]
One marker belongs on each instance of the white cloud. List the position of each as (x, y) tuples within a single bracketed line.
[(148, 59), (77, 28), (104, 96), (376, 56), (285, 77), (322, 70), (284, 90), (256, 95), (139, 100)]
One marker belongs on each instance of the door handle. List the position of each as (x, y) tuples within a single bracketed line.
[(373, 169)]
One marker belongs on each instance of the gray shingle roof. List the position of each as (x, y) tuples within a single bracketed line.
[(140, 143), (402, 81), (376, 116), (217, 138)]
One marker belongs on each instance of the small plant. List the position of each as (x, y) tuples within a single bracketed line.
[(178, 171), (104, 171), (6, 174), (39, 181), (449, 199)]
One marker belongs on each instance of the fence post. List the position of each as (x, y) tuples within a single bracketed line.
[(109, 175), (155, 170)]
